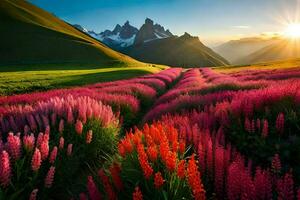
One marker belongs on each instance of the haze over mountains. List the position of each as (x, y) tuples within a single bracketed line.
[(154, 44), (259, 49)]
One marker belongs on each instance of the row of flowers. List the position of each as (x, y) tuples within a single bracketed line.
[(54, 141)]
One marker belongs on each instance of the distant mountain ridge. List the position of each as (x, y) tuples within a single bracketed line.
[(155, 44), (236, 50)]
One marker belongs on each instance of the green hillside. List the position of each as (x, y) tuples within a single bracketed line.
[(53, 53)]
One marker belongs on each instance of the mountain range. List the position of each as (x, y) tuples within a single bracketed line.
[(154, 44), (259, 49)]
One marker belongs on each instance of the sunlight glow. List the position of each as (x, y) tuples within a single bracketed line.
[(293, 30)]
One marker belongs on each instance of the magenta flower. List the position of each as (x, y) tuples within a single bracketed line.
[(50, 177), (93, 190), (5, 169)]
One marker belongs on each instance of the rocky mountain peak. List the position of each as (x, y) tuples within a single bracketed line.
[(117, 29), (149, 21), (149, 32)]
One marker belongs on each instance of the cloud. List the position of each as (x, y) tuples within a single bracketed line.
[(242, 27)]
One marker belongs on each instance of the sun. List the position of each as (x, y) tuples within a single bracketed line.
[(293, 30)]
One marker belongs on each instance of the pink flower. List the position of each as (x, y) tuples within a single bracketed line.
[(247, 125), (280, 123), (61, 142), (89, 136), (44, 149), (33, 194), (83, 196), (49, 178), (69, 150), (93, 190), (70, 118), (47, 130), (265, 130), (26, 129), (78, 127), (36, 160), (285, 187), (39, 140), (276, 164), (61, 126), (14, 145), (53, 155), (28, 142), (5, 169)]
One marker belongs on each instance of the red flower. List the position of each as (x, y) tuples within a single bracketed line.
[(171, 161), (142, 156), (194, 180), (152, 153), (115, 173), (5, 169), (182, 147), (137, 194), (36, 160), (107, 186), (158, 180), (181, 169), (49, 178)]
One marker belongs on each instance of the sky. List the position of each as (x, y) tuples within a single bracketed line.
[(213, 21)]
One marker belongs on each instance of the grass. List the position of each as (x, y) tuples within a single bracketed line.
[(285, 64), (16, 82)]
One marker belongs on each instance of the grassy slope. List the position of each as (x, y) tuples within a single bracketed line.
[(284, 64), (29, 81), (38, 51)]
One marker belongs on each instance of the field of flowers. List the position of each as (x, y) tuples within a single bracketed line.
[(194, 134)]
